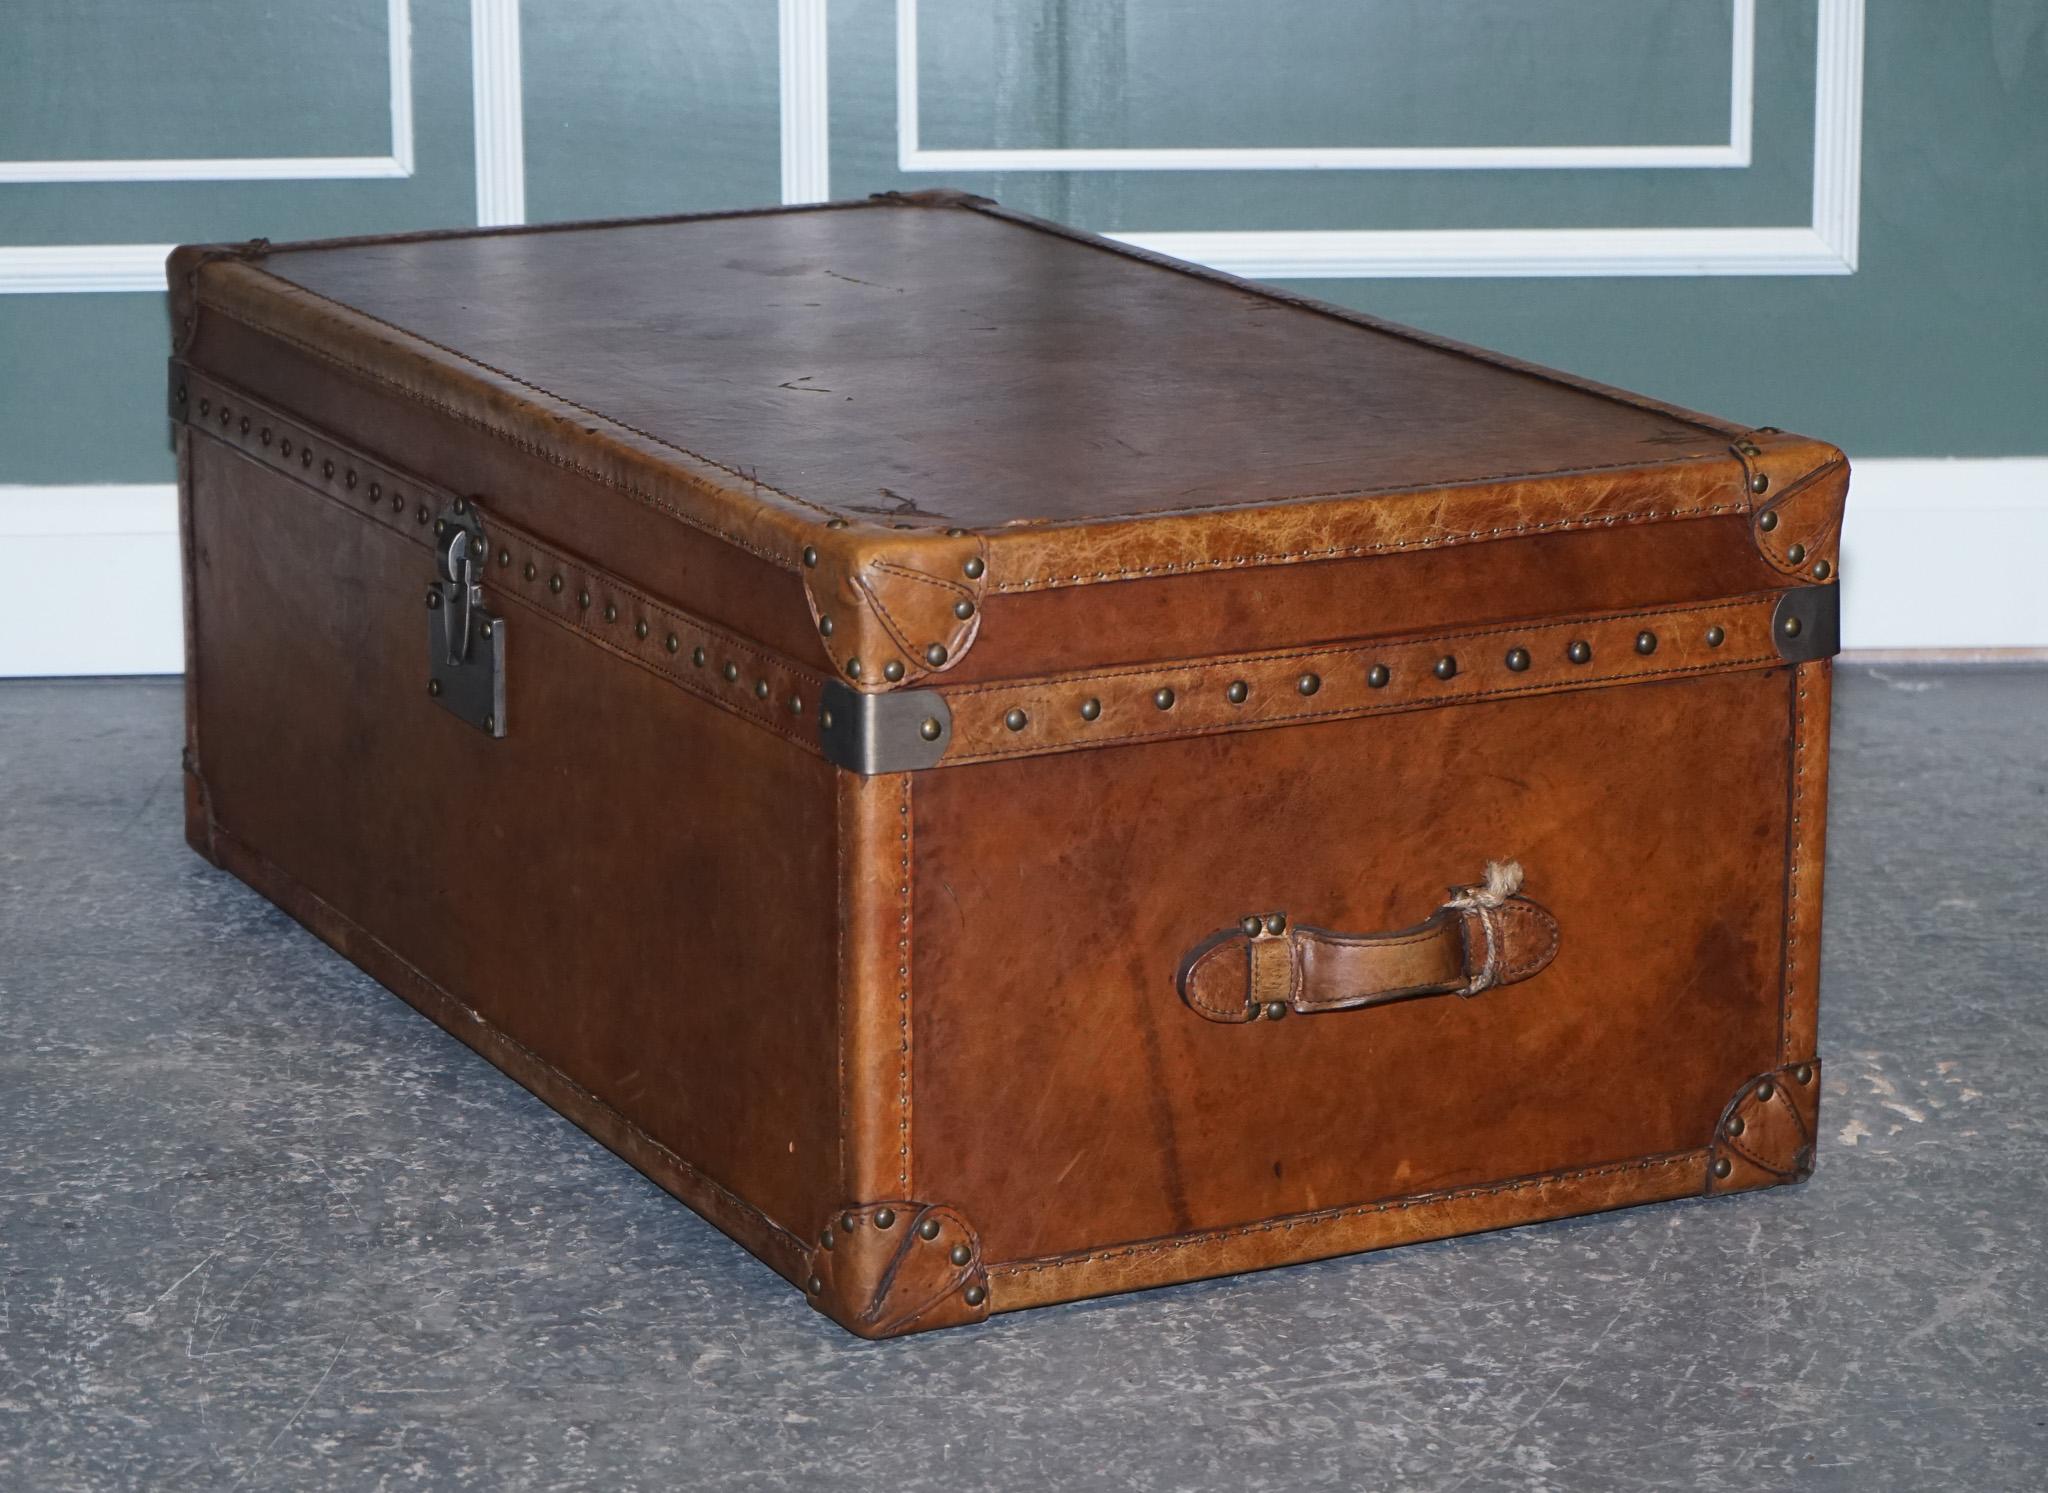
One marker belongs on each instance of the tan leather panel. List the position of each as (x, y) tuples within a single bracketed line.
[(604, 886), (1069, 1101)]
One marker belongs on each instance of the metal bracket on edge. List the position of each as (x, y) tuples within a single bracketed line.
[(1807, 623), (870, 734)]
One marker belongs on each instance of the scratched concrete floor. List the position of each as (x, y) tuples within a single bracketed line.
[(263, 1227)]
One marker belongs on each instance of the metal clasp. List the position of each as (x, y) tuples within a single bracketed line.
[(465, 640)]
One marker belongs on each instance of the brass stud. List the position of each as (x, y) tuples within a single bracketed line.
[(974, 1295), (893, 670), (555, 584), (1091, 708), (959, 1254), (760, 689), (1163, 698), (930, 728), (825, 627), (1580, 652), (848, 1222), (181, 394), (348, 479), (673, 643), (327, 470), (885, 1218), (1822, 570), (1646, 642), (1796, 555), (1276, 923), (956, 533), (1749, 448), (433, 601), (1790, 627), (1721, 1167), (640, 628), (611, 612), (1518, 660), (731, 671), (284, 447), (835, 523), (490, 629), (225, 416), (826, 1238), (376, 488), (1716, 635), (1446, 667), (264, 436), (816, 1285), (697, 656), (1308, 684), (305, 456), (1735, 1125), (810, 555), (963, 609), (462, 505), (1767, 521), (1251, 925), (583, 600), (245, 431), (1760, 483), (529, 570), (1803, 1074), (490, 723), (1238, 692), (1015, 719), (1378, 675), (440, 527), (206, 406), (974, 567), (1765, 1090), (1275, 1010), (929, 1229), (796, 704), (421, 514), (935, 654), (504, 558), (825, 719), (433, 686), (853, 668)]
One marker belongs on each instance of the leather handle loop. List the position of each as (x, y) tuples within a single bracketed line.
[(1481, 937)]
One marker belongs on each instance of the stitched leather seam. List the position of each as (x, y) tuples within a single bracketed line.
[(1374, 941), (1678, 1161), (952, 587), (906, 862), (515, 440), (895, 629), (1341, 551), (1795, 865), (1360, 711), (1354, 650), (1542, 918)]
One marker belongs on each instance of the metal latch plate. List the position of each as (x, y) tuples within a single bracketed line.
[(465, 640)]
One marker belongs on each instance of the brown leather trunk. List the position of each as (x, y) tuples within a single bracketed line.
[(999, 768)]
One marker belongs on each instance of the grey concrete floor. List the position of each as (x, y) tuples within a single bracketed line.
[(263, 1227)]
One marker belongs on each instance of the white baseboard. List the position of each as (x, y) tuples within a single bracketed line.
[(1938, 555)]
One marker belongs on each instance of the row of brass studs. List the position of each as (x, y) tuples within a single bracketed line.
[(642, 630), (265, 435), (1801, 1075), (1795, 554), (885, 1219), (1379, 676)]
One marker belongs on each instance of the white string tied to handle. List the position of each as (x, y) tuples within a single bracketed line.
[(1503, 880)]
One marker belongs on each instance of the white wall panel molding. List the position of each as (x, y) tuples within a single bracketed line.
[(1938, 555), (69, 268), (806, 94), (1734, 152), (498, 98), (261, 168), (1827, 245)]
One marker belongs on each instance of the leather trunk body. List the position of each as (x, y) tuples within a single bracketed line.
[(999, 768)]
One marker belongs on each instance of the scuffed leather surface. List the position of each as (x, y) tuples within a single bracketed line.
[(888, 601), (1071, 1100)]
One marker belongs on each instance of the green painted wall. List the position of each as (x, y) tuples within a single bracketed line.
[(1938, 345)]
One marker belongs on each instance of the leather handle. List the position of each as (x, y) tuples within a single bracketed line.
[(1266, 966)]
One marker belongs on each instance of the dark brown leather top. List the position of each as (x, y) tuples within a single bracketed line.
[(977, 367)]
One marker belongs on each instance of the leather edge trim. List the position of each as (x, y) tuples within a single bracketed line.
[(1298, 1238), (771, 1243), (896, 1266)]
